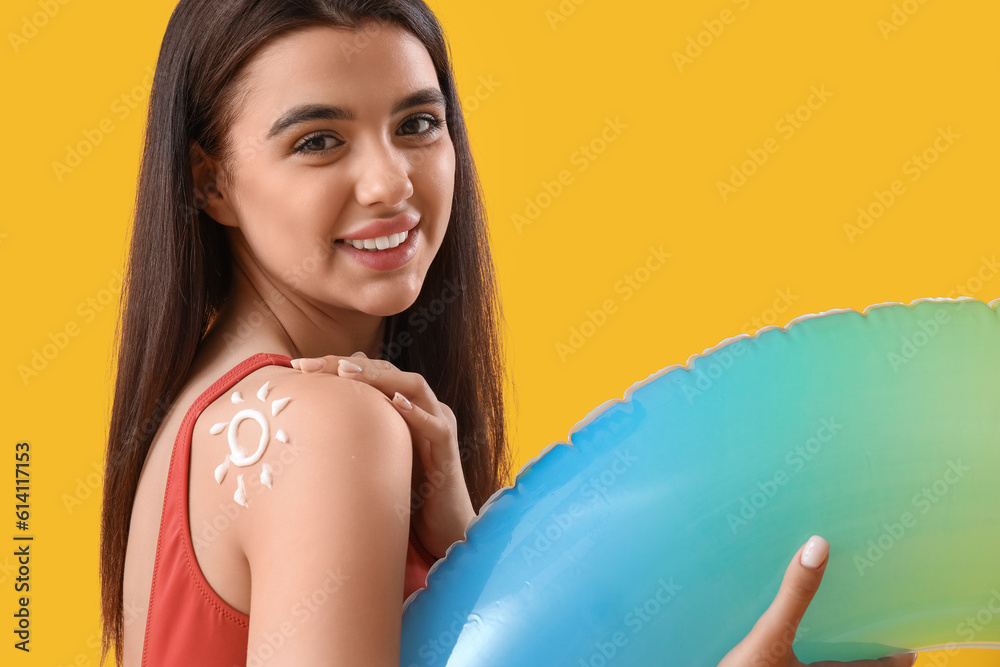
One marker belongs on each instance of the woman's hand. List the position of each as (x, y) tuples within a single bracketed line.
[(769, 643), (444, 508)]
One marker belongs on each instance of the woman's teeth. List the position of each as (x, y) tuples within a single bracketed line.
[(380, 243)]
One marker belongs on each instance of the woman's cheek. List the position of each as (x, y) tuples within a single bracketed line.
[(440, 176)]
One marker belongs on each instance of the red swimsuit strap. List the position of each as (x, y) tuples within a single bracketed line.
[(174, 520)]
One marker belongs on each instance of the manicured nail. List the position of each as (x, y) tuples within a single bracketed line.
[(359, 353), (348, 367), (308, 365), (401, 401), (815, 552)]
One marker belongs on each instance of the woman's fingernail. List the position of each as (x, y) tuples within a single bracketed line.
[(401, 401), (815, 552), (308, 365), (348, 367), (913, 662), (359, 353)]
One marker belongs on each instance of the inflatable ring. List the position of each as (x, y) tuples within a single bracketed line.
[(660, 533)]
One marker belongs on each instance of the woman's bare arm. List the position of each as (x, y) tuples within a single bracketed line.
[(327, 543)]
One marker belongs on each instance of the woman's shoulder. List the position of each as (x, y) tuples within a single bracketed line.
[(280, 440), (313, 475), (286, 396), (321, 466)]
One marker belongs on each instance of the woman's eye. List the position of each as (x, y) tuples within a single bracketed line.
[(432, 124), (316, 144), (319, 144)]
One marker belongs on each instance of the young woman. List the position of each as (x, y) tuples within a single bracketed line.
[(306, 192), (277, 132)]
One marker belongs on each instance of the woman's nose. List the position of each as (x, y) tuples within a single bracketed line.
[(383, 177)]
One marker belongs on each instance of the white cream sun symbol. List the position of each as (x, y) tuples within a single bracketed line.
[(237, 455)]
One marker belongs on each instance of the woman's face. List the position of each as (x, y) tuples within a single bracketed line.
[(337, 130)]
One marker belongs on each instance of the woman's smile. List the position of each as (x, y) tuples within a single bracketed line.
[(387, 258)]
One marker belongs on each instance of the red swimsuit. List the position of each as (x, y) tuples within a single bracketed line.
[(188, 623)]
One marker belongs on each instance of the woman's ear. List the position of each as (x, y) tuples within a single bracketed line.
[(207, 194)]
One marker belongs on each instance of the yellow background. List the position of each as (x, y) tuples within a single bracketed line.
[(539, 81)]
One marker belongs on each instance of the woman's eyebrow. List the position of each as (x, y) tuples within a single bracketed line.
[(306, 112)]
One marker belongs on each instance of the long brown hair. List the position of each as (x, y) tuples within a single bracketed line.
[(178, 269)]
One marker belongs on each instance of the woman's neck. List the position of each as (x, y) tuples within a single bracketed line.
[(249, 323)]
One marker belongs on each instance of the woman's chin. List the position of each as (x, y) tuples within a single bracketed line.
[(390, 306)]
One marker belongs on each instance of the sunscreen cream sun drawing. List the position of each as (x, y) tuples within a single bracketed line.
[(237, 455)]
